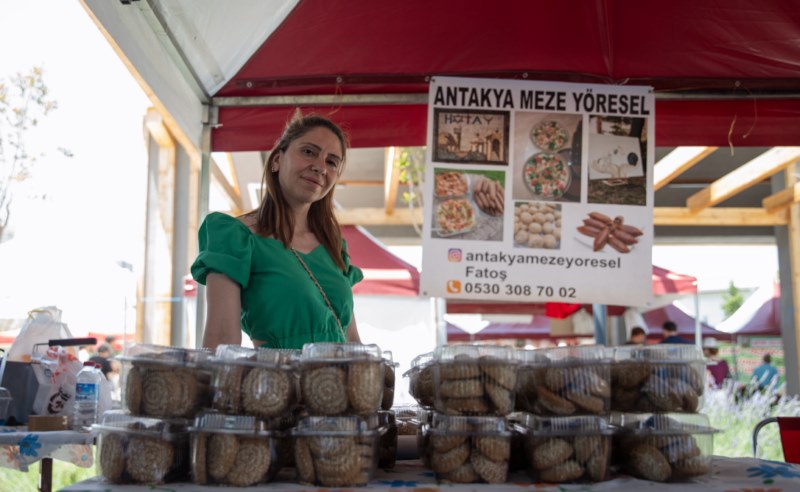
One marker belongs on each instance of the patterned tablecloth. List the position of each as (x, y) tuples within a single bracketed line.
[(19, 448), (728, 475)]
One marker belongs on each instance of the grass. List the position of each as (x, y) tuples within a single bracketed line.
[(63, 474), (736, 419)]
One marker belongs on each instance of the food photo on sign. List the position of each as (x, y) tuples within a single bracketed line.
[(617, 156), (547, 157), (469, 204)]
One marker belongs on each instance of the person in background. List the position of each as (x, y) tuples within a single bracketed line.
[(281, 273), (103, 357), (718, 368), (671, 333), (637, 337), (765, 374)]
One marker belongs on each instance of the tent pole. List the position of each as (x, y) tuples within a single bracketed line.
[(600, 316), (202, 211), (698, 334)]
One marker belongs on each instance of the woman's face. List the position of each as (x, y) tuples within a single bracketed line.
[(309, 167)]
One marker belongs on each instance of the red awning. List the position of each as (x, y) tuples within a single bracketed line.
[(384, 273), (686, 323), (366, 47), (760, 315)]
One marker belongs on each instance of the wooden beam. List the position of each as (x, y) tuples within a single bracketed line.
[(677, 162), (794, 264), (782, 199), (232, 195), (746, 175), (744, 217), (378, 216), (155, 126), (391, 179)]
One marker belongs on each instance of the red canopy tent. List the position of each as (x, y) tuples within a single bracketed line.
[(686, 323), (364, 47), (384, 273), (760, 315)]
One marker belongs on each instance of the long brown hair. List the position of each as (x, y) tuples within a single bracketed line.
[(274, 216)]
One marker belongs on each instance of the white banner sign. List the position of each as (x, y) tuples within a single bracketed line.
[(539, 191)]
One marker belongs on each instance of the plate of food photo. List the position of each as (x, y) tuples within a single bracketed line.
[(450, 184), (546, 175), (549, 136), (454, 216)]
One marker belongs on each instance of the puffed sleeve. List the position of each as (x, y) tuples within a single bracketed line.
[(225, 247), (353, 273)]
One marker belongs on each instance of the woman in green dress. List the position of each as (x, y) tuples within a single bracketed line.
[(281, 273)]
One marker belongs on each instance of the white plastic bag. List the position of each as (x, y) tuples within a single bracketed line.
[(57, 373), (43, 324)]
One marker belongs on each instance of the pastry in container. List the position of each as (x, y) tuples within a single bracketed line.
[(474, 380), (420, 379), (134, 449), (385, 422), (259, 382), (566, 381), (236, 450), (165, 382), (335, 451), (389, 369), (669, 447), (530, 374), (657, 378), (567, 449), (468, 449), (341, 378)]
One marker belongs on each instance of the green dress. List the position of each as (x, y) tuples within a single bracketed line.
[(281, 305)]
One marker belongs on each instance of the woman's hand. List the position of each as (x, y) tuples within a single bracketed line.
[(224, 311)]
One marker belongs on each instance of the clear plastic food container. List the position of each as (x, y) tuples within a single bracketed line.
[(567, 449), (340, 451), (165, 382), (235, 450), (389, 369), (407, 418), (468, 449), (420, 379), (519, 438), (663, 447), (133, 449), (474, 380), (259, 382), (657, 378), (565, 381), (341, 378)]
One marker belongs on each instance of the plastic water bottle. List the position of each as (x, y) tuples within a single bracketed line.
[(87, 395)]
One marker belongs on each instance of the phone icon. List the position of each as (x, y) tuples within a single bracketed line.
[(453, 286)]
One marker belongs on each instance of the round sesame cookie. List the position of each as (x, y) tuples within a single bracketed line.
[(325, 390), (221, 454), (365, 386), (251, 464), (450, 460), (567, 471), (647, 462), (149, 459), (550, 453), (266, 392), (112, 457), (490, 471)]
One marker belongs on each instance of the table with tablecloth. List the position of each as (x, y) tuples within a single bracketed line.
[(20, 448), (727, 475)]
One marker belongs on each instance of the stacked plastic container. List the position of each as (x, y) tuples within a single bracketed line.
[(336, 442), (466, 437), (148, 442), (137, 449), (565, 394), (655, 394), (236, 450)]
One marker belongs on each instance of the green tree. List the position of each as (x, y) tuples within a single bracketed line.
[(732, 299), (24, 102)]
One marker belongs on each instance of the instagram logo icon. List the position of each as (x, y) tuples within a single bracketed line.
[(454, 255)]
